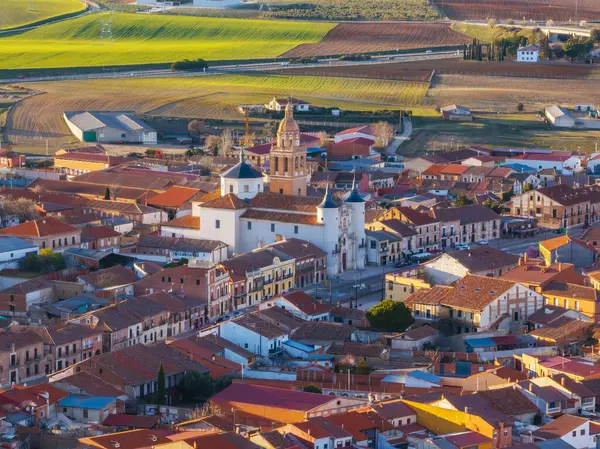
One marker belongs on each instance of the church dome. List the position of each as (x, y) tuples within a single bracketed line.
[(328, 202), (354, 196), (288, 124)]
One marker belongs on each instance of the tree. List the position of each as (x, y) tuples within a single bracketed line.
[(520, 107), (107, 194), (462, 200), (19, 210), (383, 132), (390, 316), (269, 129), (312, 389), (196, 386), (595, 35), (212, 144), (527, 187), (362, 367), (195, 127), (161, 391), (46, 262), (323, 138), (225, 142), (186, 64)]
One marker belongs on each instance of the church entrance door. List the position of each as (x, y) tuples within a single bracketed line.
[(343, 261)]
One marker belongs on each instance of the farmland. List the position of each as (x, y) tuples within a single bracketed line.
[(421, 70), (121, 38), (537, 10), (368, 37), (40, 117), (351, 9), (16, 13)]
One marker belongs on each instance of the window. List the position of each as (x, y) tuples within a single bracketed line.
[(582, 432), (230, 189), (272, 227), (373, 244), (246, 188), (249, 226), (218, 224), (296, 229), (574, 433), (459, 313), (85, 413)]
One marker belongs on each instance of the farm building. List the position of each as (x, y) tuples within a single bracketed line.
[(361, 132), (560, 117), (528, 53), (456, 112), (93, 126), (279, 104)]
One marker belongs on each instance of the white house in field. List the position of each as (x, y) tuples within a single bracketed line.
[(528, 53)]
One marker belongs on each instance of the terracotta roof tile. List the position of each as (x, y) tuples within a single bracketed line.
[(560, 427), (454, 169), (175, 197), (98, 232), (306, 303), (475, 292), (229, 201), (109, 277), (132, 439), (285, 202), (42, 227), (416, 217), (187, 221), (284, 217)]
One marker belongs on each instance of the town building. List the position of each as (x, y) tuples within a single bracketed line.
[(14, 251), (109, 127), (528, 53), (47, 232)]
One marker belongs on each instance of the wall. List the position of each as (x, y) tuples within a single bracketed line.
[(271, 375)]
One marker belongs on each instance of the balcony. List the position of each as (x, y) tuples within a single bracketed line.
[(362, 245), (15, 363)]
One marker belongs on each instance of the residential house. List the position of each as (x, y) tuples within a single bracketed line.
[(322, 333), (574, 430), (20, 298), (279, 104), (36, 402), (456, 112), (579, 298), (469, 224), (259, 274), (301, 305), (476, 303), (536, 275), (558, 205), (479, 260), (415, 339), (84, 409), (365, 132), (554, 366), (310, 260), (253, 333), (528, 53), (401, 284), (101, 238), (14, 251), (209, 284), (567, 249), (564, 163), (134, 369), (166, 249), (23, 357), (427, 228), (108, 283), (47, 232), (282, 405), (10, 159), (74, 163), (138, 213), (453, 172), (389, 241), (71, 343), (176, 200), (591, 236)]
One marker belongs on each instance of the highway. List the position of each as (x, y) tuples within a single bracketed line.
[(255, 67)]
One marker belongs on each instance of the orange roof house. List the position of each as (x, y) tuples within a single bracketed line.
[(47, 232)]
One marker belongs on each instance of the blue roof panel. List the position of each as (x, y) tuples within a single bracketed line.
[(424, 375), (481, 342), (92, 402)]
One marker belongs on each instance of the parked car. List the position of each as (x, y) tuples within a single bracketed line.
[(483, 242), (402, 263), (462, 246)]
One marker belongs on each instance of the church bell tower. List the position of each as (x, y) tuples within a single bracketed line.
[(288, 159)]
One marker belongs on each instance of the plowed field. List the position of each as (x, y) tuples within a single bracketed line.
[(538, 10), (348, 38)]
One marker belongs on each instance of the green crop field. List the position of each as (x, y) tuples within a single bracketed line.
[(15, 13), (122, 38), (39, 117)]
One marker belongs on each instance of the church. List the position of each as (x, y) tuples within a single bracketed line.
[(245, 216)]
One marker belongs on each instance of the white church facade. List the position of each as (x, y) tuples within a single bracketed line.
[(245, 217)]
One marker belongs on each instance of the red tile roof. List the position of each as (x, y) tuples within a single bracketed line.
[(175, 197), (468, 439), (272, 397), (306, 303), (187, 221), (132, 439), (475, 292), (285, 202), (280, 217), (229, 201), (137, 421), (33, 394), (434, 169), (98, 232), (416, 217), (454, 169), (42, 227), (109, 277)]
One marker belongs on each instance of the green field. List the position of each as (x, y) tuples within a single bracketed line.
[(39, 118), (121, 38), (16, 13), (488, 34)]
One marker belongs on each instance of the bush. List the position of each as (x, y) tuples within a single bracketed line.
[(186, 64), (46, 262), (390, 316), (312, 389)]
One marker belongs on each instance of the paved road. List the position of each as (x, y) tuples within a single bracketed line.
[(255, 67), (398, 140)]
